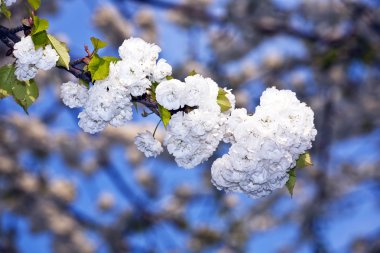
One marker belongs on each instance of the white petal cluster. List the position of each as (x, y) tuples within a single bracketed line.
[(201, 92), (49, 59), (265, 146), (9, 2), (73, 94), (147, 144), (196, 91), (139, 66), (237, 117), (29, 60), (109, 101), (161, 71), (193, 137), (170, 94)]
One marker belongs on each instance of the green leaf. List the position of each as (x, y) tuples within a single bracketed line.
[(111, 58), (39, 25), (291, 181), (35, 4), (98, 44), (62, 51), (4, 10), (165, 115), (304, 160), (99, 67), (25, 93), (192, 73), (169, 78), (223, 101), (40, 39), (7, 80)]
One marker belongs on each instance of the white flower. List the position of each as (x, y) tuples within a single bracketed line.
[(201, 92), (147, 144), (123, 117), (73, 94), (106, 100), (193, 137), (237, 117), (265, 146), (89, 125), (48, 59), (130, 75), (25, 52), (29, 60), (170, 94), (25, 72), (162, 70), (138, 51), (108, 103), (291, 120), (9, 2)]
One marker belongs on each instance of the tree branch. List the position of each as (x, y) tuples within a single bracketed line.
[(9, 38)]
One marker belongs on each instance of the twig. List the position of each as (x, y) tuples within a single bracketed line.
[(154, 133)]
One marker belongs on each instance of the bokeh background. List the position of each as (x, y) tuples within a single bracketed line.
[(65, 191)]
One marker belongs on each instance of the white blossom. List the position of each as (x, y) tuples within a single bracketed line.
[(170, 94), (25, 52), (138, 51), (73, 94), (49, 58), (89, 125), (107, 103), (237, 117), (25, 72), (130, 75), (161, 71), (201, 92), (29, 59), (101, 104), (265, 146), (193, 137), (123, 117), (147, 144)]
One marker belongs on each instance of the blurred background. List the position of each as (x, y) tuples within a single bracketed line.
[(65, 191)]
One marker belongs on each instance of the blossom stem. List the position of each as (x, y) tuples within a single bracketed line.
[(154, 133)]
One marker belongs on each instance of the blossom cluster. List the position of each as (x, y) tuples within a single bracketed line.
[(264, 146), (147, 144), (29, 59), (108, 101), (192, 137)]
